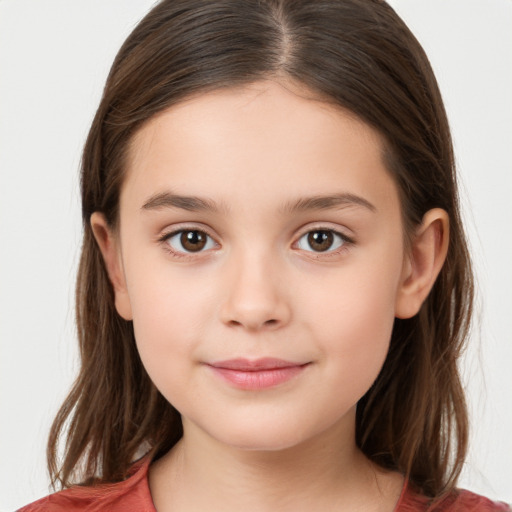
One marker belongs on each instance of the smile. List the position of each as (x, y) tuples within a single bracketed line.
[(258, 374)]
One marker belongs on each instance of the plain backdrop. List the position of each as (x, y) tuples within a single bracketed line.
[(54, 58)]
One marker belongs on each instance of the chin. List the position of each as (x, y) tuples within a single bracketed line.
[(259, 443), (263, 436)]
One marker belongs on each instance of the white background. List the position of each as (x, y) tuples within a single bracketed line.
[(54, 58)]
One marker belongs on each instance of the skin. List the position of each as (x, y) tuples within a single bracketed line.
[(259, 288)]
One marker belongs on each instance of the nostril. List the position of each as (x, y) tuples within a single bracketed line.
[(267, 323)]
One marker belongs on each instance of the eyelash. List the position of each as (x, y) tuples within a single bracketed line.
[(164, 239), (344, 241)]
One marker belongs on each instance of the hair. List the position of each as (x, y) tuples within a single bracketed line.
[(357, 54)]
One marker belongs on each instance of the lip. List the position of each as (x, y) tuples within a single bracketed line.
[(257, 374)]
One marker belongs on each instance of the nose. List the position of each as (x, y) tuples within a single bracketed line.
[(255, 296)]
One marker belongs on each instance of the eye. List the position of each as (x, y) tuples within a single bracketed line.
[(322, 240), (189, 240)]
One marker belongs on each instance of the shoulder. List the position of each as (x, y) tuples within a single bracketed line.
[(131, 494), (461, 500), (458, 500)]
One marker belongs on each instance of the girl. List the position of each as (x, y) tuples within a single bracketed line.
[(274, 285)]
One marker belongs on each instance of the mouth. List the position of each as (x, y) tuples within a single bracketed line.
[(257, 374)]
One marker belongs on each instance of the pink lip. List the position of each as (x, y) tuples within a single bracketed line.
[(257, 374)]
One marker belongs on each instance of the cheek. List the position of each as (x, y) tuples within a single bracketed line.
[(167, 299), (359, 342), (170, 316), (355, 324)]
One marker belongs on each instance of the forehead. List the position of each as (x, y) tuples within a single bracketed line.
[(251, 108), (260, 138)]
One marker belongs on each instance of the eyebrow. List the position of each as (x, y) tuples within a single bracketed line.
[(199, 204), (189, 203), (328, 202)]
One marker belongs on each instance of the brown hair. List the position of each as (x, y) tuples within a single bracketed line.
[(357, 54)]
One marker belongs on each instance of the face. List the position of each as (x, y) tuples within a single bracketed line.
[(260, 252)]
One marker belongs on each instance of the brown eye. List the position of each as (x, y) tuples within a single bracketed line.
[(321, 240), (190, 240), (193, 240)]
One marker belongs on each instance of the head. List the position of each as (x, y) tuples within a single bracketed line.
[(354, 56)]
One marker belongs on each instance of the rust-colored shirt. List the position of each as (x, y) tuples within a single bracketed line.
[(133, 495)]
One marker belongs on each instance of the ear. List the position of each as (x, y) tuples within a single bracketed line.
[(424, 262), (108, 243)]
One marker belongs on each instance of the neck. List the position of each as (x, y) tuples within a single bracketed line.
[(324, 473)]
